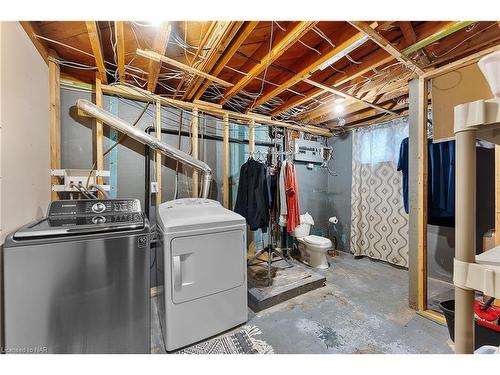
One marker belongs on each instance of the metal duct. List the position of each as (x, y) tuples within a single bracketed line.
[(137, 134)]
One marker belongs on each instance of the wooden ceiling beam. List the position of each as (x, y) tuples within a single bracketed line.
[(228, 53), (386, 45), (347, 96), (167, 60), (95, 42), (308, 66), (408, 32), (294, 35), (370, 62), (120, 49), (216, 48), (41, 46), (159, 46)]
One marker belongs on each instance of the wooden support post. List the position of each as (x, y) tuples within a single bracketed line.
[(422, 193), (497, 195), (251, 138), (99, 157), (158, 153), (225, 162), (54, 121), (194, 149)]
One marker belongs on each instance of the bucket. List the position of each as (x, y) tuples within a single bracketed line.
[(483, 335)]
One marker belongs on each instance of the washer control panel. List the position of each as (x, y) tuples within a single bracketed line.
[(93, 207)]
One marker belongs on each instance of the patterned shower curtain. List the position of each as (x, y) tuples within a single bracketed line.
[(379, 223)]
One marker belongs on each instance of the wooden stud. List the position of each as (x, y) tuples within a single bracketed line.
[(243, 34), (422, 192), (158, 153), (160, 46), (54, 121), (95, 42), (225, 162), (386, 45), (251, 138), (278, 50), (157, 57), (120, 49), (497, 194), (99, 157), (194, 149)]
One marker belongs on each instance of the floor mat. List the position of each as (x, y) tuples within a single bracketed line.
[(240, 342)]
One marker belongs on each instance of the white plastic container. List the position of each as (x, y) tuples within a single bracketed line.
[(490, 67)]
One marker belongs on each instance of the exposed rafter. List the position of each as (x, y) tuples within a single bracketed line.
[(167, 60), (159, 46), (408, 32), (370, 62), (41, 45), (95, 42), (235, 44), (347, 96), (120, 49), (297, 32), (386, 45), (224, 33), (308, 66)]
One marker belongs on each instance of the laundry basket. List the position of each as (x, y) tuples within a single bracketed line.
[(485, 333)]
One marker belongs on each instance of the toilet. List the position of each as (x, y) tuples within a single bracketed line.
[(313, 249)]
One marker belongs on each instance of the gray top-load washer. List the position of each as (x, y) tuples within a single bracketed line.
[(202, 265), (78, 281)]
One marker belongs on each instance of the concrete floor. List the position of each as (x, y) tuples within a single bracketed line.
[(362, 309)]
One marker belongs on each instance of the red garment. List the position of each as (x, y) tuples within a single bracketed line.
[(292, 198)]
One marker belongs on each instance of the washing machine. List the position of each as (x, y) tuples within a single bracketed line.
[(78, 280), (202, 265)]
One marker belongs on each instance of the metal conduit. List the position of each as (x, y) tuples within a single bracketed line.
[(139, 135)]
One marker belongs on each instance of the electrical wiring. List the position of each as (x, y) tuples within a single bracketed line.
[(352, 60), (271, 37), (463, 41), (317, 30)]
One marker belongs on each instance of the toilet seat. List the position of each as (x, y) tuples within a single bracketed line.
[(317, 241)]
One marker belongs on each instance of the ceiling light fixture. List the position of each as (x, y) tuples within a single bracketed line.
[(339, 108)]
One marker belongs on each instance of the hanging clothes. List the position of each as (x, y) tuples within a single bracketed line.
[(403, 168), (252, 200), (441, 180), (282, 195), (292, 198)]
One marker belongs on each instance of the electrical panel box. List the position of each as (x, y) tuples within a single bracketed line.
[(71, 177), (309, 151)]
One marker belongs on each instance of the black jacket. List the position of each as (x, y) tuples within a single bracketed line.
[(252, 201)]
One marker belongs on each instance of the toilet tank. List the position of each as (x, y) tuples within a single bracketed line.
[(301, 230)]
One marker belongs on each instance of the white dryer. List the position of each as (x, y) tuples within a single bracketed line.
[(201, 259)]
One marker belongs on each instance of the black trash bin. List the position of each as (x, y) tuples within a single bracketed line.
[(483, 335)]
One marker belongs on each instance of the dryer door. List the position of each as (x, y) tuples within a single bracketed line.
[(206, 264)]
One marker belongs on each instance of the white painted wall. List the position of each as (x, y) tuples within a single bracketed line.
[(24, 130)]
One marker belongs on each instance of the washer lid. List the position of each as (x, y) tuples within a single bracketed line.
[(317, 240)]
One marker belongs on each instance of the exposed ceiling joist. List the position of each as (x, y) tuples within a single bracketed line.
[(41, 45), (370, 62), (347, 96), (167, 60), (159, 46), (297, 32), (95, 42), (311, 66), (386, 45), (235, 44), (216, 47), (120, 49), (408, 32)]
